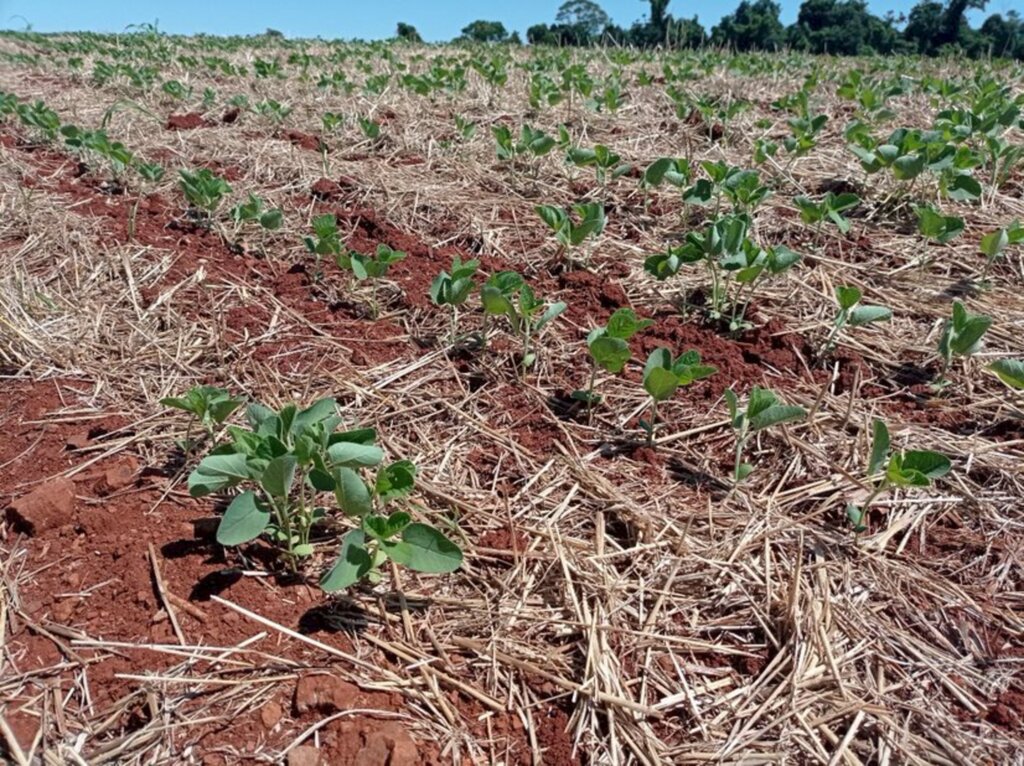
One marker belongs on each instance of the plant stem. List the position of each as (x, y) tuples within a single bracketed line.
[(590, 394), (836, 327), (653, 424)]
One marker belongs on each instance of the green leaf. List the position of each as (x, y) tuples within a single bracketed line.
[(553, 311), (760, 400), (732, 403), (494, 301), (395, 480), (624, 324), (352, 565), (272, 220), (993, 243), (612, 354), (847, 297), (863, 315), (879, 446), (278, 476), (384, 528), (217, 472), (965, 338), (964, 188), (1010, 371), (775, 414), (244, 520), (930, 464), (424, 549), (352, 454), (660, 383), (351, 492)]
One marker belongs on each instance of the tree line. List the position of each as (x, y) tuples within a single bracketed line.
[(840, 27)]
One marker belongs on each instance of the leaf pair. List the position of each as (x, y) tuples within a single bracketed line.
[(830, 207), (590, 220), (420, 547), (252, 210), (453, 289), (663, 375), (962, 333), (369, 266), (210, 405)]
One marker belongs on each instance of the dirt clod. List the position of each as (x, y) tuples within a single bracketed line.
[(323, 693), (50, 506), (304, 755)]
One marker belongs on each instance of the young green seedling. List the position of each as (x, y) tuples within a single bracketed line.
[(326, 240), (252, 210), (606, 163), (507, 294), (961, 337), (994, 244), (286, 461), (934, 226), (910, 468), (204, 191), (748, 266), (370, 267), (149, 173), (764, 410), (571, 233), (853, 314), (609, 350), (663, 375), (394, 536), (830, 208), (453, 289), (209, 406)]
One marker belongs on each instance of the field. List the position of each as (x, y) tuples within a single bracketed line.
[(631, 589)]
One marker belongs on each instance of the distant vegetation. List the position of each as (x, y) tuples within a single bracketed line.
[(841, 27)]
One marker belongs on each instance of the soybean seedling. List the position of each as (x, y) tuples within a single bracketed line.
[(326, 240), (204, 192), (830, 208), (606, 163), (506, 293), (853, 314), (961, 337), (995, 243), (764, 410), (936, 227), (370, 267), (663, 375), (252, 210), (286, 461), (910, 468), (453, 289), (571, 233), (208, 405), (609, 350), (149, 173)]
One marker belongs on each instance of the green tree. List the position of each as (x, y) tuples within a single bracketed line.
[(1003, 36), (408, 33), (486, 32), (587, 15), (924, 26), (840, 27), (754, 25)]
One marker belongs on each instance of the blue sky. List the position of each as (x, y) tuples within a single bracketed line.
[(435, 19)]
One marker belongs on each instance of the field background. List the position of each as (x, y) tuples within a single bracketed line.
[(619, 604)]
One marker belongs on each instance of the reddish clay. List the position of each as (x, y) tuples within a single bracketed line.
[(188, 121)]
